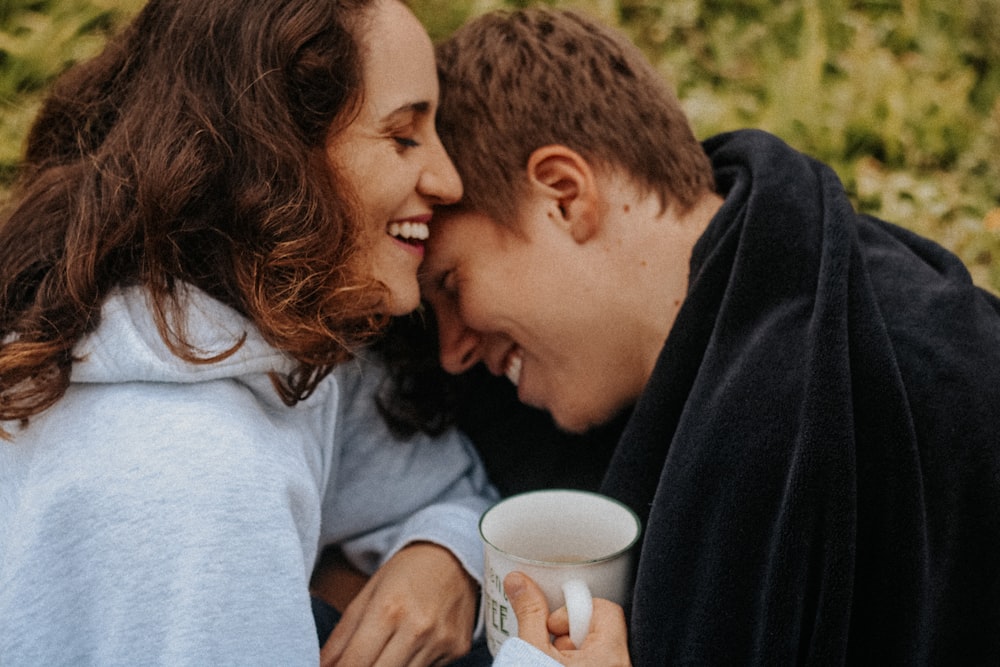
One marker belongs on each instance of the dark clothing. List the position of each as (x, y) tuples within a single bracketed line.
[(522, 448), (815, 458), (326, 618)]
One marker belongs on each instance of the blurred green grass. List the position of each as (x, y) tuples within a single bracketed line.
[(901, 97), (38, 40)]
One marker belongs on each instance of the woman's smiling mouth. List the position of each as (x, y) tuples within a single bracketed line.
[(411, 232)]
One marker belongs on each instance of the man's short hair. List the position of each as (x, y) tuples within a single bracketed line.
[(513, 82)]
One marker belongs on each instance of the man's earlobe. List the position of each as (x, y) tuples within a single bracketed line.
[(564, 176)]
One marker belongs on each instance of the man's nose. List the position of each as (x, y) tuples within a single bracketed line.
[(460, 346)]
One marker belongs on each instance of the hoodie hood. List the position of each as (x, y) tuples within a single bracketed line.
[(127, 346)]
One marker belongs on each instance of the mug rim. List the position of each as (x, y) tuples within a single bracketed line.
[(575, 563)]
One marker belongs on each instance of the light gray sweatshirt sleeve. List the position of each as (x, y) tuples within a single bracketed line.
[(517, 653), (387, 493)]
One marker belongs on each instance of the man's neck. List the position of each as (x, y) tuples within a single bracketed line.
[(652, 251)]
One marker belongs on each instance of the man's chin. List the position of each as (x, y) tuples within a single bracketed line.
[(581, 421), (571, 423)]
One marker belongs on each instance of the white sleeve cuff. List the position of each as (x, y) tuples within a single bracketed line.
[(515, 652)]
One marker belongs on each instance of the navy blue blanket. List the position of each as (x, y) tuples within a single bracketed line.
[(816, 457)]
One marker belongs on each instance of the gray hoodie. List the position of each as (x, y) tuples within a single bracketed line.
[(164, 512)]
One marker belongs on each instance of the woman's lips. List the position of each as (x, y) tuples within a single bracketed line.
[(409, 231), (410, 234)]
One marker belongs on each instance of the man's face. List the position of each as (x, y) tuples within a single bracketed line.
[(530, 306)]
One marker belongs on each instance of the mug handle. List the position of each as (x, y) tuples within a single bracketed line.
[(579, 608)]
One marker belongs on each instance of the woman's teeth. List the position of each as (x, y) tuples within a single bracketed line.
[(513, 370), (410, 231)]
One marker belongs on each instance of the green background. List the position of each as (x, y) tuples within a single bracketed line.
[(901, 97)]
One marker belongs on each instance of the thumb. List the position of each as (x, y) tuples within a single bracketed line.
[(530, 607)]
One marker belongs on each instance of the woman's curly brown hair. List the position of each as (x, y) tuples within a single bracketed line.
[(192, 150)]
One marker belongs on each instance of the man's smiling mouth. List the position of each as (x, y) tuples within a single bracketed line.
[(512, 366)]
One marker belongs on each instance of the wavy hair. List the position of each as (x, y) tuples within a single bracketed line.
[(192, 150)]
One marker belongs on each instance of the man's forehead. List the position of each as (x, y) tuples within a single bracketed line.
[(455, 236), (457, 227), (456, 215)]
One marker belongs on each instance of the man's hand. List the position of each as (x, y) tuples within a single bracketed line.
[(417, 610), (606, 644)]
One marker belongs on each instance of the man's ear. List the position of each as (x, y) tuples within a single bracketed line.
[(562, 175)]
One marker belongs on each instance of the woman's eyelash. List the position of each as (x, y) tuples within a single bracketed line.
[(406, 142)]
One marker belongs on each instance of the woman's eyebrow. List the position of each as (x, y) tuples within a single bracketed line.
[(416, 108)]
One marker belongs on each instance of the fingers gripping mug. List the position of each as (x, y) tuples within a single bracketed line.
[(576, 545)]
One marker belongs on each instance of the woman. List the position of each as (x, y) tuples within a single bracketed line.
[(214, 213)]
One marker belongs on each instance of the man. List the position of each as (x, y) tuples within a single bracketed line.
[(813, 439)]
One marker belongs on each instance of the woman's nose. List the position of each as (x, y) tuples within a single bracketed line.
[(440, 181)]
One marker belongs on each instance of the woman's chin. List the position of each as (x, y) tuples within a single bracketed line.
[(398, 304)]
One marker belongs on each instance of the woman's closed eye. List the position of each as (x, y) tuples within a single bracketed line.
[(405, 142), (407, 123)]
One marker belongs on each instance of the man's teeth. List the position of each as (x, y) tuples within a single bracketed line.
[(513, 370), (417, 231)]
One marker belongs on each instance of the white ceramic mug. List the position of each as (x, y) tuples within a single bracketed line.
[(575, 544)]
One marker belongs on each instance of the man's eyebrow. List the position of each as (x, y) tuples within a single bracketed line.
[(429, 277)]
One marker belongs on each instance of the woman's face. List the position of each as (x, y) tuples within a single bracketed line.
[(391, 155)]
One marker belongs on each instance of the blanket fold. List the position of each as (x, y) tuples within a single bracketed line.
[(815, 457)]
